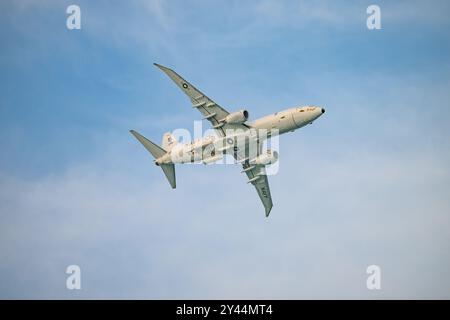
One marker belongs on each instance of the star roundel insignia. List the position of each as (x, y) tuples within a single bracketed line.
[(185, 85)]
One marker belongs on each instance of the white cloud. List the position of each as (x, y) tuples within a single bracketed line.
[(135, 237)]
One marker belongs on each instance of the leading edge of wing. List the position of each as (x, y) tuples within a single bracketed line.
[(183, 84), (210, 110)]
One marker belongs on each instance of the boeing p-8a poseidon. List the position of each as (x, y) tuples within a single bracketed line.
[(234, 135)]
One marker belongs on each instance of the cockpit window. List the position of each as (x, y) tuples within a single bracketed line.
[(301, 110)]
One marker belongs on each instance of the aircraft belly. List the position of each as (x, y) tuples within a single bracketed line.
[(283, 121), (192, 152), (286, 124)]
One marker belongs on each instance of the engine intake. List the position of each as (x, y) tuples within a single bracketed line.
[(237, 117)]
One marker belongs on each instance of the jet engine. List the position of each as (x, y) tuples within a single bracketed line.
[(266, 158), (237, 117)]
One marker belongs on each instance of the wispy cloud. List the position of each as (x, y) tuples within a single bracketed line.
[(350, 208)]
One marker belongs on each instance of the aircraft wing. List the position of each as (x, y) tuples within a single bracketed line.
[(210, 110), (257, 176)]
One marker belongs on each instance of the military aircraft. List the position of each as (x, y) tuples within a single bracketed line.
[(233, 135)]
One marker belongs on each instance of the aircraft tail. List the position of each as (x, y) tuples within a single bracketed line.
[(169, 171), (157, 152)]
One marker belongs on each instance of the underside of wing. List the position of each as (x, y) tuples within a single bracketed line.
[(257, 176), (210, 110)]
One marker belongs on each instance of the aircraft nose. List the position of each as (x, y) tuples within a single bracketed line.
[(323, 110)]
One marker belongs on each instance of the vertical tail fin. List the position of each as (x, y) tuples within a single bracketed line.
[(158, 152), (169, 171)]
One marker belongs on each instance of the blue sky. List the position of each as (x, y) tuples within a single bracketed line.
[(366, 184)]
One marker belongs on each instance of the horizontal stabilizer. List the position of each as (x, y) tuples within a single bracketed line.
[(154, 149)]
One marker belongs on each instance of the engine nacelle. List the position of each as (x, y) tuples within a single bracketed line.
[(269, 157), (237, 117)]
